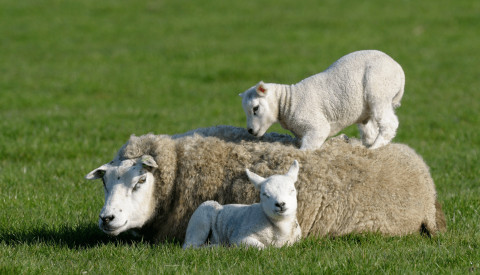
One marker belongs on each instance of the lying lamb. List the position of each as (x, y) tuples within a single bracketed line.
[(362, 87), (270, 222), (155, 183)]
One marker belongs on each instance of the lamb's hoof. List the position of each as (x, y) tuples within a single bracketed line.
[(345, 138), (377, 145), (379, 142)]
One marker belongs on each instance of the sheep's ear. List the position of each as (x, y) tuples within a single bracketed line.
[(240, 95), (148, 162), (262, 89), (255, 179), (293, 171), (97, 173)]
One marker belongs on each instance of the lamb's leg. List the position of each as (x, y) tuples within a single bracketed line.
[(368, 132), (251, 242), (387, 124), (199, 225), (382, 84), (314, 139)]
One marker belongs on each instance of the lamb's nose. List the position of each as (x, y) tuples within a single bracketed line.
[(281, 205), (250, 131), (107, 219)]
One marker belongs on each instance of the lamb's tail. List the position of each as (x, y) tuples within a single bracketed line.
[(398, 97)]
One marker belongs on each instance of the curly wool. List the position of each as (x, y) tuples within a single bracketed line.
[(342, 187)]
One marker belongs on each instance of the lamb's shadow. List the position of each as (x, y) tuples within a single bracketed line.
[(74, 237), (239, 135)]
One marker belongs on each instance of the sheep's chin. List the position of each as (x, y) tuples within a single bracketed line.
[(117, 230)]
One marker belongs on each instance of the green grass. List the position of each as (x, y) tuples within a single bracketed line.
[(78, 77)]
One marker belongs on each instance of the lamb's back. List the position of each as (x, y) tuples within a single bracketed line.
[(235, 221)]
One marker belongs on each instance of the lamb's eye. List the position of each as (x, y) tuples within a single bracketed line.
[(255, 110), (265, 195)]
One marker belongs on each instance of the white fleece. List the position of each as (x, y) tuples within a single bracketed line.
[(362, 87), (271, 222)]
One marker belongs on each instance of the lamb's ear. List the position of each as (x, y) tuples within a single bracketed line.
[(148, 162), (293, 171), (240, 95), (262, 89), (97, 173), (255, 179)]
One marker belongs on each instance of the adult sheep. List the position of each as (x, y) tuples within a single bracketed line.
[(155, 183)]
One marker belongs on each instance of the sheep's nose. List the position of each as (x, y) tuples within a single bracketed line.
[(250, 131), (107, 219), (281, 205)]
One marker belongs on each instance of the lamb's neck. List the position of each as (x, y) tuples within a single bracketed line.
[(284, 103), (284, 224)]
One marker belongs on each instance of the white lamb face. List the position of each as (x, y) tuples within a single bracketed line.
[(278, 195), (257, 109), (129, 187)]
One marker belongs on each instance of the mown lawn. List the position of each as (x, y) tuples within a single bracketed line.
[(78, 77)]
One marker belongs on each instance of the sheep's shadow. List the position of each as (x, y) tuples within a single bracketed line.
[(74, 237)]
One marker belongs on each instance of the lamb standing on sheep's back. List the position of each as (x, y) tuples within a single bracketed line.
[(343, 188), (361, 88)]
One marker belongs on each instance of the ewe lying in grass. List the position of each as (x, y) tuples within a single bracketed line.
[(270, 222), (155, 183)]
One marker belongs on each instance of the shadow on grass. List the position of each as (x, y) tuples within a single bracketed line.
[(75, 237)]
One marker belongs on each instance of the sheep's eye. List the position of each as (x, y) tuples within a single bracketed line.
[(142, 179), (139, 182), (255, 110), (265, 195)]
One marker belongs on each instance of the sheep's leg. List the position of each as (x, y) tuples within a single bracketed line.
[(368, 132), (314, 139), (387, 123)]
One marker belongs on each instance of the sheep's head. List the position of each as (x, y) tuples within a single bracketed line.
[(278, 195), (129, 193), (260, 114)]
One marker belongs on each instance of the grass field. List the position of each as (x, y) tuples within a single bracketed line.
[(78, 77)]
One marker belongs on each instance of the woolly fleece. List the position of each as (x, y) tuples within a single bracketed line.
[(342, 188)]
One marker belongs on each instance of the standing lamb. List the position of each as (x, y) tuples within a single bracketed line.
[(155, 183), (362, 87), (270, 222)]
